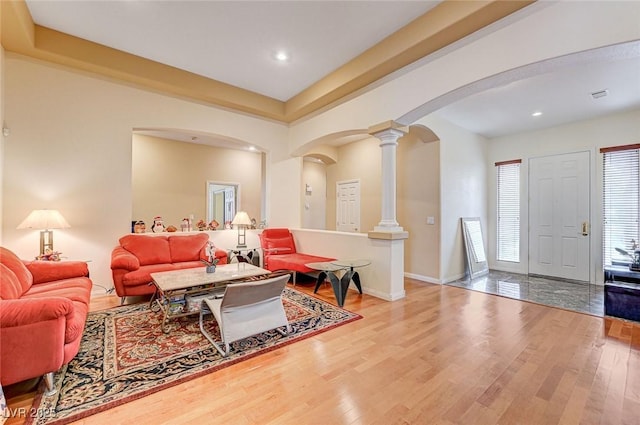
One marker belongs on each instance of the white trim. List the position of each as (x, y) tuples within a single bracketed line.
[(422, 278)]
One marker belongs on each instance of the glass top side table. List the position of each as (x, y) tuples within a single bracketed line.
[(351, 274), (339, 285), (352, 264), (328, 270)]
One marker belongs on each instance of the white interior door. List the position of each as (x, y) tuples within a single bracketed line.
[(348, 206), (559, 216), (229, 204)]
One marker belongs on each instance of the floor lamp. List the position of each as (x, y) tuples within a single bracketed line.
[(44, 220)]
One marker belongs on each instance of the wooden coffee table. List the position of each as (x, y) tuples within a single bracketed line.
[(179, 292)]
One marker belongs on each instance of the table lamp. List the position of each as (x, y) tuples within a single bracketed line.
[(242, 220), (45, 220)]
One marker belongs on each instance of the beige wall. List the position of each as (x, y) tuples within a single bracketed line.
[(2, 124), (463, 190), (70, 149), (314, 208), (169, 178), (418, 193), (357, 160)]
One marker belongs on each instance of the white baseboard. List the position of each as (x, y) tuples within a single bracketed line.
[(430, 279), (454, 278), (385, 296), (422, 278)]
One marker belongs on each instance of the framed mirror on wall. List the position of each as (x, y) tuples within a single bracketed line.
[(223, 200), (474, 246)]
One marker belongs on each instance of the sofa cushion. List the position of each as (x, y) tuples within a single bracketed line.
[(148, 249), (295, 262), (76, 289), (274, 245), (142, 275), (23, 277), (187, 248), (188, 265), (50, 271)]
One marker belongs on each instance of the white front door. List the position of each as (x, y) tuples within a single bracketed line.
[(559, 216), (348, 206)]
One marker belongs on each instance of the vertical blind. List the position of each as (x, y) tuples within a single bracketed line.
[(620, 200), (508, 238)]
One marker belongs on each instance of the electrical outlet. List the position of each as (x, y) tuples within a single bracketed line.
[(431, 220)]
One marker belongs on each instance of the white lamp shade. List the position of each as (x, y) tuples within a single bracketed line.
[(44, 220), (241, 219)]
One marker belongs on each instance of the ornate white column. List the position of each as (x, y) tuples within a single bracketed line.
[(388, 233), (388, 133)]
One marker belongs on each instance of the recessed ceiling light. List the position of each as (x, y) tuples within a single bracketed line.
[(252, 148), (281, 56), (536, 114)]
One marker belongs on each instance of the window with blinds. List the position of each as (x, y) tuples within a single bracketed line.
[(620, 201), (508, 238)]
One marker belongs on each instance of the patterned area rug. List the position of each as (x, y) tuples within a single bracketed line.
[(124, 355)]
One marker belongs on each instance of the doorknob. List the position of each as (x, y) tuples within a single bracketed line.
[(585, 228)]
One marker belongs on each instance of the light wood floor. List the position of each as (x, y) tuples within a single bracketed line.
[(442, 355)]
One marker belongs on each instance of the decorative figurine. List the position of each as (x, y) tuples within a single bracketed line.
[(49, 255), (139, 227), (158, 225)]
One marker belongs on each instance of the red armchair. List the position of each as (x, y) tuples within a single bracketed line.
[(43, 309), (280, 253), (137, 256)]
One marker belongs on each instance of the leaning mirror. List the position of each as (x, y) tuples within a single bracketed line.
[(474, 246)]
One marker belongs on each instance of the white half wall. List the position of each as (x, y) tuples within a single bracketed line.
[(382, 278)]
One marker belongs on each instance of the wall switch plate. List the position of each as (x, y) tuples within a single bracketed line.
[(431, 220)]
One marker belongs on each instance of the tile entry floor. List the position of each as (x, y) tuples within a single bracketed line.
[(576, 296)]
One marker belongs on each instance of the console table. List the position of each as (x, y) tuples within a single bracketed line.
[(249, 255)]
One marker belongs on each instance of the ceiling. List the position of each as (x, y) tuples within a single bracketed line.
[(562, 94), (236, 41)]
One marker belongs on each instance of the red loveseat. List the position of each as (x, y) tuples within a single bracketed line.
[(280, 253), (137, 256), (43, 309)]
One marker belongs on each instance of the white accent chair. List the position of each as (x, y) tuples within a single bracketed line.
[(246, 309)]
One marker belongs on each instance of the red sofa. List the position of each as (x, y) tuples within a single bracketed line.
[(137, 256), (280, 253), (43, 309)]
